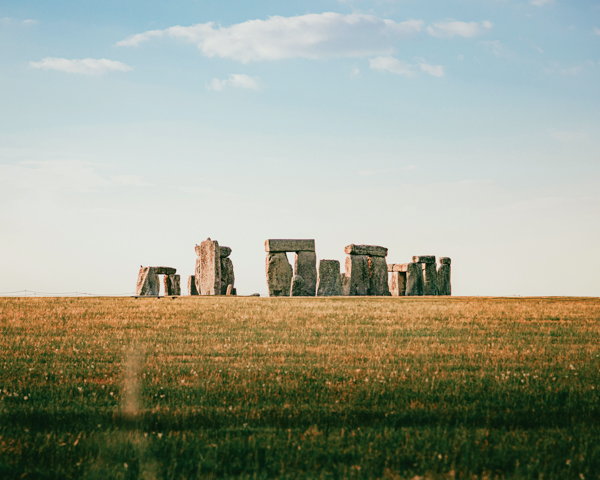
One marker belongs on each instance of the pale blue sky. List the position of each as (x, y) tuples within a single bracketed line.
[(130, 131)]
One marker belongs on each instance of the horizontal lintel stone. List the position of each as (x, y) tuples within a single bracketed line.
[(370, 250), (165, 270), (282, 245), (445, 260), (423, 259)]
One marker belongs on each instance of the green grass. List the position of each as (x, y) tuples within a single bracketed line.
[(398, 388)]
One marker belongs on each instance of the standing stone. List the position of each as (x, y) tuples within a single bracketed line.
[(227, 276), (176, 285), (445, 260), (357, 276), (225, 252), (210, 268), (192, 290), (444, 285), (430, 278), (147, 283), (279, 274), (306, 267), (414, 279), (345, 282), (229, 290), (298, 286), (198, 269), (398, 284), (329, 282), (378, 276)]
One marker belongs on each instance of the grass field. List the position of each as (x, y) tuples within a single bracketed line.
[(398, 388)]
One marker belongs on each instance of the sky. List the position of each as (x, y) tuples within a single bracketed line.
[(132, 130)]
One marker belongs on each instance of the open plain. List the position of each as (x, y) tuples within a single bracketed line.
[(398, 388)]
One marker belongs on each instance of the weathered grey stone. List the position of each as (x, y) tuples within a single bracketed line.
[(378, 276), (423, 259), (164, 270), (414, 279), (227, 276), (176, 285), (298, 285), (345, 281), (210, 269), (254, 295), (229, 289), (329, 282), (225, 252), (445, 260), (281, 245), (444, 284), (398, 284), (198, 270), (147, 282), (371, 250), (192, 290), (279, 274), (357, 280), (397, 267), (305, 265), (430, 279)]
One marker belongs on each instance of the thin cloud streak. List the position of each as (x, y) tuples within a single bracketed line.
[(86, 66)]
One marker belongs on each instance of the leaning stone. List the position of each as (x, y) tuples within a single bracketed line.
[(229, 289), (371, 250), (165, 270), (305, 265), (329, 282), (210, 269), (444, 284), (276, 245), (398, 284), (445, 260), (279, 274), (147, 282), (414, 279), (227, 276), (378, 276), (297, 288), (192, 285), (430, 279), (225, 252), (357, 276), (423, 259)]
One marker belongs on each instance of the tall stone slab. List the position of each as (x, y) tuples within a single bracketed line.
[(172, 284), (378, 276), (398, 284), (297, 287), (192, 290), (306, 266), (227, 276), (147, 282), (444, 284), (430, 279), (279, 274), (357, 280), (210, 268), (414, 279), (198, 269), (329, 281)]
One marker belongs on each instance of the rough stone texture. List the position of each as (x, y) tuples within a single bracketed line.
[(279, 274), (192, 290), (378, 276), (414, 279), (298, 286), (279, 245), (198, 249), (445, 260), (172, 284), (357, 280), (398, 284), (198, 270), (423, 259), (176, 285), (305, 265), (345, 282), (164, 270), (444, 284), (397, 267), (371, 250), (210, 268), (329, 282), (254, 295), (147, 282), (229, 289), (227, 276), (225, 252), (430, 279)]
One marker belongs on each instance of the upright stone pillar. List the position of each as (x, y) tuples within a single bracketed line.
[(357, 275), (279, 274), (198, 269), (429, 273), (210, 268), (297, 289), (443, 274), (227, 275), (366, 271), (169, 283), (414, 279), (306, 266), (147, 282), (378, 276), (192, 285), (397, 280), (329, 282)]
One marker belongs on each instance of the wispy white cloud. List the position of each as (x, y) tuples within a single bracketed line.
[(235, 80), (568, 71), (541, 3), (400, 67), (355, 71), (86, 66), (6, 21), (435, 70), (29, 22), (452, 28), (497, 48), (310, 36)]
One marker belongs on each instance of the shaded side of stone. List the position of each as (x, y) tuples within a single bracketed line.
[(192, 290), (430, 279), (297, 287), (445, 260), (329, 282), (282, 245), (357, 271), (227, 275), (225, 252), (147, 282), (378, 276), (165, 270), (414, 279), (371, 250), (398, 284), (279, 274), (198, 271), (345, 281), (423, 259), (210, 268), (444, 284), (305, 265), (176, 285)]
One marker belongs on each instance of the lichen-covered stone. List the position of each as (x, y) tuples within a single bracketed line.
[(176, 285), (371, 250), (225, 251), (227, 275), (329, 282), (164, 270), (279, 274), (398, 284), (445, 260), (297, 287), (378, 276), (414, 279), (305, 265), (430, 279), (282, 245), (423, 259), (210, 269), (147, 282), (192, 290), (444, 283), (357, 280)]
